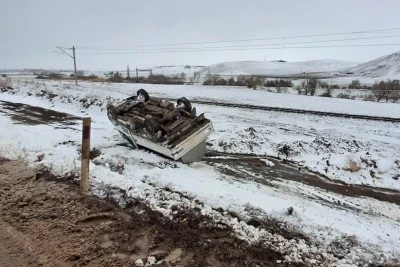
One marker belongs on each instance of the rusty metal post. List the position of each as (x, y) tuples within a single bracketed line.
[(85, 157)]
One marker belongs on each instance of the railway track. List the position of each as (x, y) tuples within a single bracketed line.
[(298, 111), (286, 110)]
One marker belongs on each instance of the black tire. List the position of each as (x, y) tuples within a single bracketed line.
[(188, 106), (143, 93)]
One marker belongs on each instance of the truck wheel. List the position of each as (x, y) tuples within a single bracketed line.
[(185, 104), (144, 94)]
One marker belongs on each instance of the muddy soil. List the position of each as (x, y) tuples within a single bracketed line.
[(46, 221), (32, 115), (252, 167)]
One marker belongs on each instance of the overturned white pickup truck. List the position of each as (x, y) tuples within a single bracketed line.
[(173, 131)]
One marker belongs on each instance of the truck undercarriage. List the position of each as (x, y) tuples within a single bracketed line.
[(174, 131)]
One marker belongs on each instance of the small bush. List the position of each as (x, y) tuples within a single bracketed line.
[(207, 82), (240, 83), (115, 78), (299, 89), (309, 85), (289, 211), (4, 75), (91, 78), (343, 95), (327, 94), (355, 84), (323, 85), (221, 82), (278, 83), (5, 82), (251, 83), (381, 90), (254, 81), (56, 76), (312, 84), (369, 97), (162, 79), (231, 81), (139, 79)]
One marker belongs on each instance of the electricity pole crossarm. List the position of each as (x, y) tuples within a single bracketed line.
[(71, 56)]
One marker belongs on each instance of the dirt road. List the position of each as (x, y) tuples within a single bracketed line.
[(12, 250), (47, 222)]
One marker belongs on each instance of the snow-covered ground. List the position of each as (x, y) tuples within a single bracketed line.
[(326, 145), (314, 141), (239, 95), (243, 95)]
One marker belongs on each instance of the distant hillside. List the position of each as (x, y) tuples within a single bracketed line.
[(386, 67), (383, 67), (275, 67), (176, 70)]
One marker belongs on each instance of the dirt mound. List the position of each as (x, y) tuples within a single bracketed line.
[(50, 223)]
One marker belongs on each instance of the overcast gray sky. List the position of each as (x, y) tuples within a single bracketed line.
[(32, 29)]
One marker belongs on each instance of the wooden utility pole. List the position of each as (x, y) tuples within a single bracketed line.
[(71, 56), (73, 53), (85, 157)]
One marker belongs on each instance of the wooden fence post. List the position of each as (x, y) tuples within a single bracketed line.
[(85, 157)]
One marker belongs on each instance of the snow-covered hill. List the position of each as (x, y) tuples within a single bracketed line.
[(176, 70), (386, 67), (276, 67)]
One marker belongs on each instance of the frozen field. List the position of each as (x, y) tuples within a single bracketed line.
[(342, 229), (237, 95)]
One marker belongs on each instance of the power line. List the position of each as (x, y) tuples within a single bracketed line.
[(73, 56), (249, 45), (241, 49), (249, 40)]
